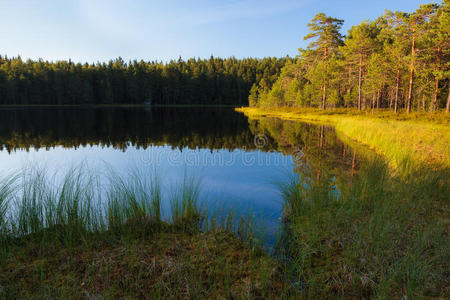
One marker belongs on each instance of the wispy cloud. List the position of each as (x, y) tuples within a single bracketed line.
[(128, 18)]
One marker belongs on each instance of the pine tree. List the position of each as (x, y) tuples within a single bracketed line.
[(360, 43), (326, 42)]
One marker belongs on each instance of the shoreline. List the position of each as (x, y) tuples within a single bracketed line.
[(399, 138), (2, 106)]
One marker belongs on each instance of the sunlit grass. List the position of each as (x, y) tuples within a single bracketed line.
[(386, 235), (404, 139)]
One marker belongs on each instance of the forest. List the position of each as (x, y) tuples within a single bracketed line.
[(399, 61), (213, 81)]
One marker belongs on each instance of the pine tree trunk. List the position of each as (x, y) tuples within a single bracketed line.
[(359, 80), (324, 98), (390, 99), (411, 73), (436, 81), (378, 99), (396, 91), (349, 81), (418, 105), (379, 95), (324, 88), (447, 108), (409, 100), (372, 102), (435, 93)]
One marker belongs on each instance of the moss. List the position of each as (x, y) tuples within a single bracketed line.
[(170, 265)]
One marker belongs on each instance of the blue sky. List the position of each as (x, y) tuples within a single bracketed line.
[(98, 30)]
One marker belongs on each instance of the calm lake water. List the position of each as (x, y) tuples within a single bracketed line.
[(241, 163)]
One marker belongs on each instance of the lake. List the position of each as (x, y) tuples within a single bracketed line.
[(240, 163)]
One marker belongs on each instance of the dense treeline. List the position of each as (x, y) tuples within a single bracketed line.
[(211, 81), (399, 61)]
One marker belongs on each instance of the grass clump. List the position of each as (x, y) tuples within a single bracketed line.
[(81, 236), (184, 205), (133, 203)]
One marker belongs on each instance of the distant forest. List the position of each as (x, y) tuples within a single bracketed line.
[(398, 61), (214, 81)]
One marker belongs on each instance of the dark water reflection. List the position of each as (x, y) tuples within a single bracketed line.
[(240, 162)]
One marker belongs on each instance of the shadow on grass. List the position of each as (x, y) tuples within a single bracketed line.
[(386, 236)]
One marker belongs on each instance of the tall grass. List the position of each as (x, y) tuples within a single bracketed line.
[(249, 228), (83, 235), (385, 237), (6, 189), (75, 207), (43, 207), (184, 203), (133, 201), (387, 234), (405, 140), (63, 235), (69, 208)]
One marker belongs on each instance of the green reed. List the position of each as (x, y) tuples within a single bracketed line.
[(66, 235), (73, 207), (184, 203), (384, 237)]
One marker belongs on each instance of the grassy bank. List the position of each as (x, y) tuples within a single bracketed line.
[(403, 139), (385, 235), (84, 236)]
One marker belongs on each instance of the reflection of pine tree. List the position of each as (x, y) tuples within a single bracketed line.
[(120, 128), (318, 154)]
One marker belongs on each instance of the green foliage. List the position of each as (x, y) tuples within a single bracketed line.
[(213, 81), (399, 61), (325, 34)]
